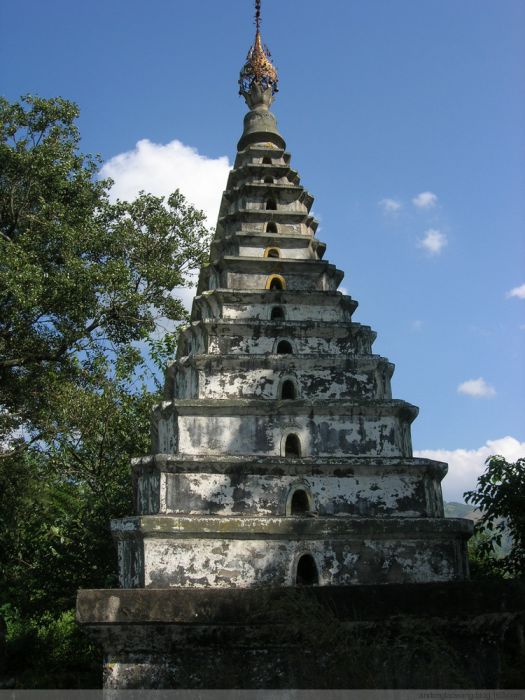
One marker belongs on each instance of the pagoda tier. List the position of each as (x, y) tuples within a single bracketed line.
[(279, 455), (164, 551), (358, 486), (249, 304), (230, 376)]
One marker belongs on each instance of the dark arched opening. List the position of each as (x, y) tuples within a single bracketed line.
[(292, 446), (271, 205), (268, 180), (276, 283), (288, 390), (306, 571), (300, 503), (277, 313), (267, 161), (271, 227), (284, 348)]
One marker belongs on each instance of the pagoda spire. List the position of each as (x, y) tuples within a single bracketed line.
[(258, 79), (258, 85)]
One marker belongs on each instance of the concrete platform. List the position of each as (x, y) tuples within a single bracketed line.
[(460, 635)]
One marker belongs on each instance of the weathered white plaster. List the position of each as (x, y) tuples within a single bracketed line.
[(227, 562), (378, 495), (302, 253), (209, 522), (261, 434)]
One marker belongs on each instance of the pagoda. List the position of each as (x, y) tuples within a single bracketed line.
[(279, 457)]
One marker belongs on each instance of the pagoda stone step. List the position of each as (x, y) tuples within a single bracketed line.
[(164, 551), (358, 344), (257, 273), (254, 152), (257, 244), (300, 327), (259, 263), (254, 243), (249, 171), (268, 327), (248, 217), (314, 378), (365, 492), (319, 428), (285, 239), (266, 337), (284, 214), (256, 191), (274, 465), (308, 363), (255, 304), (302, 250), (298, 407)]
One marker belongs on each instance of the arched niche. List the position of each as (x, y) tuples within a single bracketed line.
[(300, 504), (272, 252), (299, 500), (268, 180), (306, 573), (275, 283), (271, 204), (292, 445), (271, 227), (288, 390), (267, 161), (277, 313), (284, 347)]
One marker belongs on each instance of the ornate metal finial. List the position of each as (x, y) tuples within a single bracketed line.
[(258, 71)]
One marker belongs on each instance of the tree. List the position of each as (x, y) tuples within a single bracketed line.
[(57, 503), (85, 285), (500, 495), (81, 278), (55, 508)]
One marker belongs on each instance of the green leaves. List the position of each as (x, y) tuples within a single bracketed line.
[(81, 278), (86, 286), (500, 495)]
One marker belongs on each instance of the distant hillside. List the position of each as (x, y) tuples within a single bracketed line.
[(461, 510)]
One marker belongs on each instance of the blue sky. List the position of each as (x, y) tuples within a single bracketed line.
[(380, 101)]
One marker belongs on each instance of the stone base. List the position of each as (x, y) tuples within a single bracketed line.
[(437, 635)]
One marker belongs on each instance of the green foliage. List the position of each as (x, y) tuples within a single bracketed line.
[(80, 277), (50, 652), (85, 288), (57, 503), (481, 564), (500, 496)]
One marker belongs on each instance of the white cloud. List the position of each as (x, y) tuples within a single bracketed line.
[(390, 206), (425, 200), (478, 388), (433, 242), (518, 292), (162, 168), (466, 465)]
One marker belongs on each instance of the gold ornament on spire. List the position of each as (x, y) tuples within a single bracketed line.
[(258, 67)]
